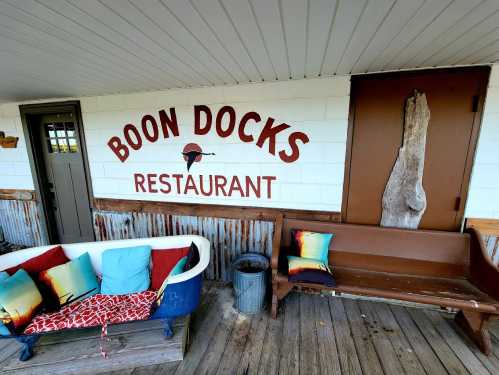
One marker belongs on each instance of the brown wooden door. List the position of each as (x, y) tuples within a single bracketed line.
[(455, 98), (64, 182)]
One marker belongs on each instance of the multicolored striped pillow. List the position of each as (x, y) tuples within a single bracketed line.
[(309, 271), (20, 299), (72, 281), (311, 245)]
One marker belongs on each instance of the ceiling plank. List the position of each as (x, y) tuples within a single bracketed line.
[(320, 22), (400, 14), (455, 13), (421, 19), (294, 16), (242, 14), (268, 18), (347, 17), (373, 15)]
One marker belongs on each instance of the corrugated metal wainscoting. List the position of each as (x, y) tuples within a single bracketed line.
[(229, 237), (20, 223), (492, 245)]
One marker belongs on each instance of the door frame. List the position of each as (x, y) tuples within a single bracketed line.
[(35, 156), (475, 132)]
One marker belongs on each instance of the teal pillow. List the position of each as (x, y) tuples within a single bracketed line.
[(125, 270), (19, 299), (312, 245), (3, 276), (72, 281)]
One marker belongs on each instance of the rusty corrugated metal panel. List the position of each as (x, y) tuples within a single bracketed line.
[(492, 245), (20, 223), (229, 237)]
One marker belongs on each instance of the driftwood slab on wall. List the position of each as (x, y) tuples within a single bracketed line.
[(404, 199)]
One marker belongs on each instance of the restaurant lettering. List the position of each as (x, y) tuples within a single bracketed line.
[(267, 135), (250, 128)]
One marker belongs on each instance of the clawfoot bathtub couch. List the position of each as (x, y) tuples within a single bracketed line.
[(180, 297)]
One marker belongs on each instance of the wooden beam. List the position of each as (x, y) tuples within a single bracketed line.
[(212, 210), (486, 227), (17, 194)]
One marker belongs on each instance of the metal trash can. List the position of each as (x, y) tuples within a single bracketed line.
[(250, 282)]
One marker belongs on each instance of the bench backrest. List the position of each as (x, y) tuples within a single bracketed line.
[(413, 252)]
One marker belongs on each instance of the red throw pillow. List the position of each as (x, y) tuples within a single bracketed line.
[(50, 258), (163, 261)]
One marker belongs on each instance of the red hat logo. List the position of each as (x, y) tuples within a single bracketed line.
[(193, 153)]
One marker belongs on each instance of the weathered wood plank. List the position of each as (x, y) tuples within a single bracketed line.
[(252, 352), (205, 323), (8, 348), (290, 352), (423, 350), (349, 359), (469, 360), (452, 364), (210, 361), (309, 362), (402, 347), (272, 346), (329, 360), (382, 343), (365, 348), (231, 358)]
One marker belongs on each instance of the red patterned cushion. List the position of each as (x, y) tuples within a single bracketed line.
[(163, 261), (50, 258), (98, 310)]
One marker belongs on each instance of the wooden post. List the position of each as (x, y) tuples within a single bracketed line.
[(404, 199)]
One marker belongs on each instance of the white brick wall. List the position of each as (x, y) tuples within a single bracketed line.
[(483, 198), (15, 172), (318, 107)]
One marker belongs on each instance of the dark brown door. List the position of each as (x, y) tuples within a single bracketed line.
[(64, 182), (454, 98)]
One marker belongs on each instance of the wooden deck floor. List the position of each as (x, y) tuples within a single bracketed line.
[(325, 335)]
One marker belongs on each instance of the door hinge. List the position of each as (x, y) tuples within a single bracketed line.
[(474, 103), (457, 204)]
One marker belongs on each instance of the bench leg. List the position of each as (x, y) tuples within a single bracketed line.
[(279, 291), (475, 325), (28, 342), (168, 327)]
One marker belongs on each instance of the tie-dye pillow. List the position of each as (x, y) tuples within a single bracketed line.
[(20, 299), (72, 281), (308, 270), (311, 245)]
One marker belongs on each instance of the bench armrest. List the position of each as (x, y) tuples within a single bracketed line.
[(483, 273), (276, 244)]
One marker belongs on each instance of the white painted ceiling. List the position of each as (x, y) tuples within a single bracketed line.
[(59, 48)]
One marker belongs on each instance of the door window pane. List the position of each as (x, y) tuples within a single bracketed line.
[(61, 137)]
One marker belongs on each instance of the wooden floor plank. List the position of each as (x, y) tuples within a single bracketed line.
[(463, 352), (365, 349), (386, 353), (231, 358), (349, 360), (309, 362), (289, 363), (210, 361), (422, 349), (203, 327), (329, 360), (446, 355), (272, 347), (402, 347), (250, 360)]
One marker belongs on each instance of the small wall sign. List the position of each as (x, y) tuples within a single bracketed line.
[(8, 142)]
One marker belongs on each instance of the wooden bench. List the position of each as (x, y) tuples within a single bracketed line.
[(438, 268)]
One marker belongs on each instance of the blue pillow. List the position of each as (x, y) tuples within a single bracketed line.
[(125, 270), (3, 276)]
